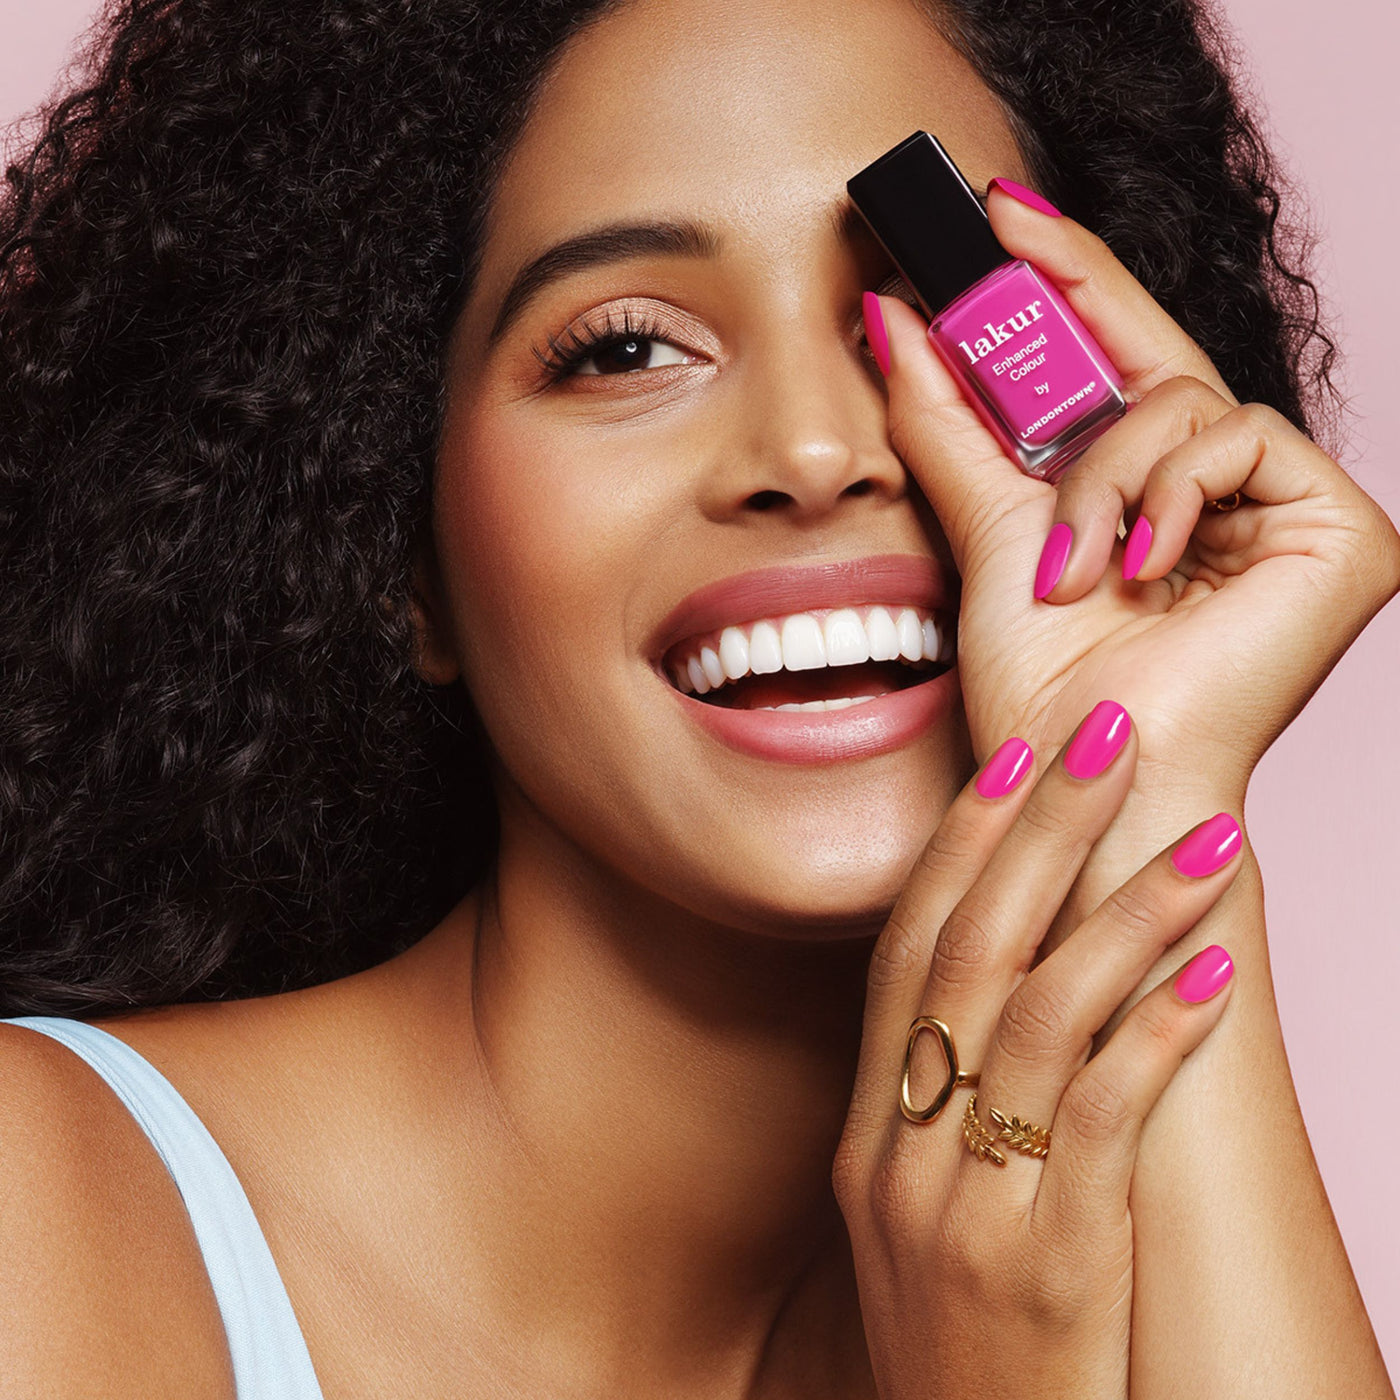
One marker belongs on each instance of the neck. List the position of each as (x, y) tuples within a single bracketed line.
[(672, 1092)]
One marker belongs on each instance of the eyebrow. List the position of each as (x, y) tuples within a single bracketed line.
[(613, 243)]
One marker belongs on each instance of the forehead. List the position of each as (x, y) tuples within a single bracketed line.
[(748, 114)]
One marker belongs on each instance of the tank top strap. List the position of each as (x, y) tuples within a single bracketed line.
[(270, 1359)]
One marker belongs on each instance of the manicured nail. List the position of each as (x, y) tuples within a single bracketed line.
[(1036, 201), (1210, 847), (1104, 731), (875, 332), (1053, 557), (1005, 769), (1135, 551), (1204, 975)]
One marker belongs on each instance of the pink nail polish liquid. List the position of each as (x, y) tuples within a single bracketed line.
[(1035, 375)]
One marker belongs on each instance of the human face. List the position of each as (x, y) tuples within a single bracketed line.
[(573, 515)]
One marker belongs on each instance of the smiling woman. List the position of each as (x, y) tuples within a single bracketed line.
[(522, 674)]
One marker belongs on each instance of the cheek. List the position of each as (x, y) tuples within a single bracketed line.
[(541, 535)]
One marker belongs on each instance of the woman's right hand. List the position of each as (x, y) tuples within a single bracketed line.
[(1018, 1277)]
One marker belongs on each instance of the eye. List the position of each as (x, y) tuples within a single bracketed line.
[(617, 356), (622, 344)]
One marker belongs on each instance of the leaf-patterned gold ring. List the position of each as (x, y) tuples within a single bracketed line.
[(979, 1141), (1029, 1138)]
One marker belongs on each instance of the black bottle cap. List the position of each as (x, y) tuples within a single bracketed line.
[(928, 220)]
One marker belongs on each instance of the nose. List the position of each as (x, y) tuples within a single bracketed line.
[(808, 434)]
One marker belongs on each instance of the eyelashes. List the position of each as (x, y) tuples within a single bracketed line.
[(566, 354), (633, 338)]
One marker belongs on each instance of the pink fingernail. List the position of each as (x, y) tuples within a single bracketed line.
[(1135, 551), (1210, 847), (875, 331), (1053, 557), (1103, 733), (1005, 769), (1036, 201), (1204, 975)]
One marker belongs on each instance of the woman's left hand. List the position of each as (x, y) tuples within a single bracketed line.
[(1232, 620)]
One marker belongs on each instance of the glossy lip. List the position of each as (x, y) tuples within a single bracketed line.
[(789, 588), (817, 736)]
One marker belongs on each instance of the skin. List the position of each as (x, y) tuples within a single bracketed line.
[(626, 1065)]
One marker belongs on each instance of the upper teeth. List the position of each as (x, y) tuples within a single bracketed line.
[(807, 640)]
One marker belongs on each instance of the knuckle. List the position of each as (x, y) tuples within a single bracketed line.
[(1096, 1109), (1255, 420), (1049, 823), (967, 944), (1037, 1023), (1159, 1027), (850, 1175), (956, 844), (1138, 910), (1056, 1293), (892, 1189), (898, 953)]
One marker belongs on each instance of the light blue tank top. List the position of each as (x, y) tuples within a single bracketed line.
[(270, 1360)]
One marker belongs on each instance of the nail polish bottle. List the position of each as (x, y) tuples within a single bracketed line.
[(1026, 363)]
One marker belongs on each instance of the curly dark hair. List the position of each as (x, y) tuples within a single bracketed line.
[(228, 267)]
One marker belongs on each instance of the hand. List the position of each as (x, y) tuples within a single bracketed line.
[(1018, 1278), (1231, 622)]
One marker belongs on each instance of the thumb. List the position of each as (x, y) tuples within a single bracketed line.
[(972, 485)]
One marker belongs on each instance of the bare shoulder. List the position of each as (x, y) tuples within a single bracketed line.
[(103, 1290)]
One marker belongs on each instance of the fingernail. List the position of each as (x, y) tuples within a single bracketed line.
[(1036, 201), (1105, 730), (1204, 975), (1135, 551), (1052, 558), (1210, 847), (1005, 769), (875, 331)]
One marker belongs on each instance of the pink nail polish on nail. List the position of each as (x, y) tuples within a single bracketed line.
[(1135, 551), (1204, 975), (1025, 362), (875, 332), (1020, 192), (1102, 734), (1005, 769), (1210, 847), (1053, 558)]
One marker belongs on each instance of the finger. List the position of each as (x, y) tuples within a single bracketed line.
[(972, 485), (1098, 1124), (1251, 449), (976, 821), (1146, 346), (1109, 479), (1048, 1024), (989, 939)]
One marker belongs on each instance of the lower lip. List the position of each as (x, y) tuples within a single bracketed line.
[(827, 736)]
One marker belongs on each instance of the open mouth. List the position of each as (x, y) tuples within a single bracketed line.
[(824, 659)]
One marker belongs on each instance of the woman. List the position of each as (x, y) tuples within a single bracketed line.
[(366, 359)]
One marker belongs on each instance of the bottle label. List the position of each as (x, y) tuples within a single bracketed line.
[(1037, 368)]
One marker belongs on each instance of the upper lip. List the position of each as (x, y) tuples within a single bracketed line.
[(914, 579)]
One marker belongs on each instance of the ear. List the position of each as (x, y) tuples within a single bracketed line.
[(436, 659)]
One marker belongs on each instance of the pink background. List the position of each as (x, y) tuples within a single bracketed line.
[(1324, 809)]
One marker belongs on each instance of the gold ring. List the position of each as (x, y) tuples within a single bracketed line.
[(1029, 1138), (1225, 502), (979, 1141), (955, 1077), (1020, 1134)]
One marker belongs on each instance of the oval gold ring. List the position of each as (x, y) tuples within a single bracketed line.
[(1226, 502), (955, 1077)]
